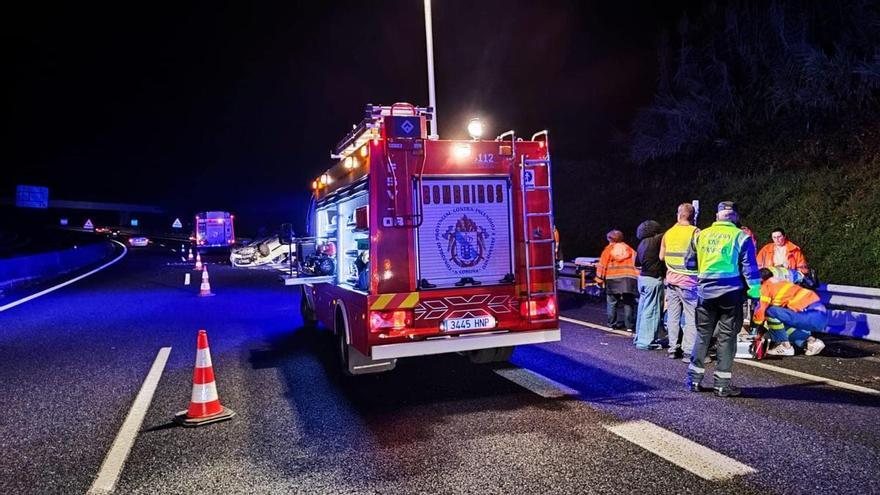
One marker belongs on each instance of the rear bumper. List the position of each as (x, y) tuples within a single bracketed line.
[(465, 342)]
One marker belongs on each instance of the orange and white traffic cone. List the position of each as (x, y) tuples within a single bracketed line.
[(204, 404), (199, 265), (205, 288), (189, 257)]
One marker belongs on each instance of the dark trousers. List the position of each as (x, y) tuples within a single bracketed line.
[(725, 312), (628, 301)]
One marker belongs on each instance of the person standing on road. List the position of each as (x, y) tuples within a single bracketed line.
[(791, 313), (681, 282), (649, 317), (616, 271), (726, 267), (782, 252)]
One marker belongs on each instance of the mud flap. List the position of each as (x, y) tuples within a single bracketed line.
[(359, 364)]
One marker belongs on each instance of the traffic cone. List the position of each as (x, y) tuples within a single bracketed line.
[(199, 265), (204, 404), (205, 289), (189, 257)]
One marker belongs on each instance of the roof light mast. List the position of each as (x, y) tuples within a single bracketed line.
[(429, 42)]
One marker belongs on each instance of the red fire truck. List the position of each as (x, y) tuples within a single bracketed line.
[(422, 246)]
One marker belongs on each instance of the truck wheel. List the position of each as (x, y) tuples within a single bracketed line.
[(341, 344), (495, 355), (310, 320)]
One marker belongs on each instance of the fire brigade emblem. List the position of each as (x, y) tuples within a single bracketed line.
[(466, 242)]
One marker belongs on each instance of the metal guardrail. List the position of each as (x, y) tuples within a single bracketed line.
[(852, 311)]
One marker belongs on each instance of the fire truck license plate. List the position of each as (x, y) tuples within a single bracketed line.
[(481, 323)]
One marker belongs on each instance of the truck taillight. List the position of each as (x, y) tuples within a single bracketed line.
[(389, 320), (545, 307)]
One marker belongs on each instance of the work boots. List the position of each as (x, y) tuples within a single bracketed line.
[(727, 391)]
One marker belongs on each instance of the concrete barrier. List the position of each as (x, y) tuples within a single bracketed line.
[(853, 311), (22, 269)]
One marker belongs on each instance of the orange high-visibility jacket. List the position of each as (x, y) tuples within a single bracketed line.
[(618, 260), (793, 254), (776, 292)]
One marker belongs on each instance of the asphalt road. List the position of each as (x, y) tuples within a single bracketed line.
[(72, 362)]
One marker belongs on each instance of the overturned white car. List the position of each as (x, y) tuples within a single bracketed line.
[(263, 251)]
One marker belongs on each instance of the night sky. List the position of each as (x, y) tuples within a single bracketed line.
[(236, 105)]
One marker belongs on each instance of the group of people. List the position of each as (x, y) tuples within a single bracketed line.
[(703, 278)]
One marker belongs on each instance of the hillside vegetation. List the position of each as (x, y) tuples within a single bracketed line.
[(774, 106)]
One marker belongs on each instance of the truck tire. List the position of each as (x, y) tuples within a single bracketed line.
[(494, 355), (341, 343), (309, 318)]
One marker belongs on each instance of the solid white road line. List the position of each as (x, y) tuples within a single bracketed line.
[(63, 284), (113, 463), (809, 377), (595, 326), (749, 362), (534, 382), (689, 455)]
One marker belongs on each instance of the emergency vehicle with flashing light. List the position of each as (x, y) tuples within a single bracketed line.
[(214, 229), (420, 247)]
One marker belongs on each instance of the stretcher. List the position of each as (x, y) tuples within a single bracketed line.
[(579, 277)]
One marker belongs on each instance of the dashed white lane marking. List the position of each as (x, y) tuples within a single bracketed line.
[(595, 326), (113, 463), (748, 362), (64, 284), (812, 378), (687, 454), (534, 382)]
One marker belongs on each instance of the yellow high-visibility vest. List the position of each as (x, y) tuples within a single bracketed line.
[(677, 240)]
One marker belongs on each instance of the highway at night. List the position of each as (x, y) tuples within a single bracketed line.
[(559, 419)]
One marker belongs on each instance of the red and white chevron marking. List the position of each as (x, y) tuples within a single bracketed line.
[(464, 307)]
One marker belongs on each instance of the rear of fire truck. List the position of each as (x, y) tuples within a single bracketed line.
[(456, 247)]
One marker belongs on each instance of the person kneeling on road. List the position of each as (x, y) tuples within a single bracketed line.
[(791, 313)]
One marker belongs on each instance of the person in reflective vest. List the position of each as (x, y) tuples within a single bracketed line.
[(681, 282), (782, 252), (726, 268), (790, 313), (616, 271)]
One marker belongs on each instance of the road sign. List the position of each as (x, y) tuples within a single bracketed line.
[(31, 197), (89, 225), (134, 222), (528, 179), (176, 224)]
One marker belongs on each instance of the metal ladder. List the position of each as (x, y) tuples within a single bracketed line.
[(526, 164)]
